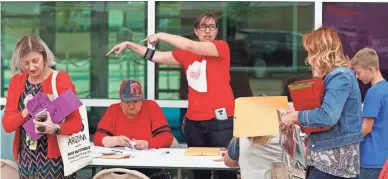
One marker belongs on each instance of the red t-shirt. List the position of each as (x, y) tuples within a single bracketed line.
[(150, 124), (219, 94)]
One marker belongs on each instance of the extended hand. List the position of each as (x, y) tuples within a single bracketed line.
[(290, 118), (25, 112), (152, 39), (117, 49)]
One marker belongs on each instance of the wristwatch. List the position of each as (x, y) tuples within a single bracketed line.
[(57, 129)]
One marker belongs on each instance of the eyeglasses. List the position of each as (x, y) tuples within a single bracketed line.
[(211, 27)]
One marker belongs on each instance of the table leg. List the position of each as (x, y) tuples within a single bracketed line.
[(179, 174), (94, 170)]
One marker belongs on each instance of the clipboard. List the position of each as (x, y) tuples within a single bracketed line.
[(203, 151), (258, 116)]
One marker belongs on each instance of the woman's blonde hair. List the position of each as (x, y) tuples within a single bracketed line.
[(260, 140), (27, 44), (257, 140), (325, 51)]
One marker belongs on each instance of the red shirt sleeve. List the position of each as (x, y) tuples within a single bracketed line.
[(106, 125), (13, 119), (73, 122), (180, 56), (223, 49), (161, 132)]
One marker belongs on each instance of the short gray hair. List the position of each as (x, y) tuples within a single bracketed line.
[(27, 44)]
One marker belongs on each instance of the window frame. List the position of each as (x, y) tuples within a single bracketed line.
[(150, 77)]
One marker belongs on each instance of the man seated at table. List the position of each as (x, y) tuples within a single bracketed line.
[(133, 121)]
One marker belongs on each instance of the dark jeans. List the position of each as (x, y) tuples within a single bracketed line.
[(369, 173), (313, 173), (212, 133)]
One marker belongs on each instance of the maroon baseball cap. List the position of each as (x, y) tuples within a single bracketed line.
[(131, 90)]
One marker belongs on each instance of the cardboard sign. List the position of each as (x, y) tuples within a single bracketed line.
[(258, 116), (38, 103), (59, 109)]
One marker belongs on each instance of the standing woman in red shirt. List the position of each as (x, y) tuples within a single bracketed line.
[(36, 159), (209, 118)]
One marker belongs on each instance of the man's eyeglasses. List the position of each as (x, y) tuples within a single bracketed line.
[(211, 27)]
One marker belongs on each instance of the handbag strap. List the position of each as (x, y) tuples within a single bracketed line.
[(54, 83)]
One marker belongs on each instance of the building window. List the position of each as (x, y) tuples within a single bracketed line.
[(79, 34), (264, 39), (359, 25)]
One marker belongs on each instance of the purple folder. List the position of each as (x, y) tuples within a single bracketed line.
[(38, 103), (59, 109)]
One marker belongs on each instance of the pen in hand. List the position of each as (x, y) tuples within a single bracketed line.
[(165, 153)]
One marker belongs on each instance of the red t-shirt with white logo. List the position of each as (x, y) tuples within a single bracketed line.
[(209, 82)]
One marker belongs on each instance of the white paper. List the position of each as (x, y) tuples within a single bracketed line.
[(221, 114), (196, 76)]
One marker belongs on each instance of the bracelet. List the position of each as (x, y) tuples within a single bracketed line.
[(149, 54), (57, 129)]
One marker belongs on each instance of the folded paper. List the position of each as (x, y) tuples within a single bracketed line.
[(58, 109), (38, 103), (203, 151), (114, 156)]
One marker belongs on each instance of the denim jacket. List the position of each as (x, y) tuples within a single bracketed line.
[(340, 110)]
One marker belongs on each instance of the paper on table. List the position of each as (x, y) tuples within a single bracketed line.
[(203, 151), (114, 156), (98, 151), (257, 116)]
